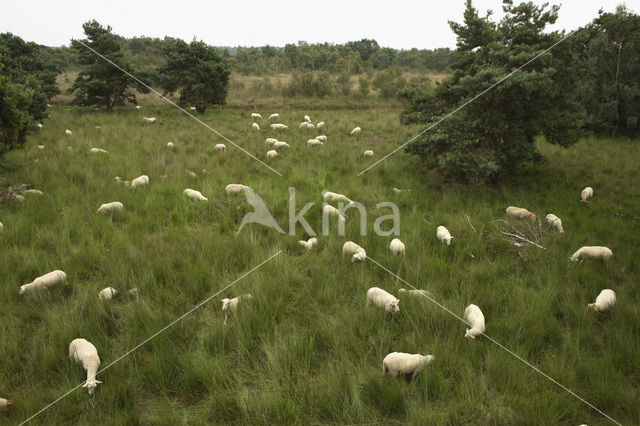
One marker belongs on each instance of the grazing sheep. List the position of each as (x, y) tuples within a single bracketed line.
[(190, 173), (314, 142), (170, 145), (414, 292), (397, 247), (98, 151), (355, 130), (405, 364), (280, 144), (235, 188), (82, 351), (279, 126), (309, 243), (272, 153), (303, 125), (255, 126), (5, 404), (382, 299), (1, 226), (307, 119), (140, 181), (149, 119), (196, 195), (255, 116), (321, 138), (474, 317), (270, 141), (368, 153), (586, 193), (114, 206), (107, 293), (320, 124), (46, 281), (443, 235), (19, 198), (519, 212), (332, 211), (193, 108), (310, 126), (352, 249), (42, 147), (329, 196), (33, 192), (39, 125), (220, 147), (68, 132), (138, 107), (555, 221), (230, 306), (605, 301), (275, 115), (591, 252)]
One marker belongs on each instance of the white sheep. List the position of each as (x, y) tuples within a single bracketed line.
[(303, 125), (555, 221), (443, 235), (220, 147), (5, 404), (314, 142), (382, 299), (230, 306), (235, 188), (591, 252), (256, 126), (270, 141), (19, 198), (405, 364), (68, 132), (368, 153), (98, 151), (33, 192), (149, 119), (280, 144), (397, 191), (474, 317), (42, 147), (332, 211), (196, 195), (586, 193), (107, 293), (138, 107), (357, 253), (114, 206), (39, 125), (272, 153), (255, 116), (170, 145), (519, 212), (355, 130), (1, 226), (191, 174), (414, 292), (140, 181), (309, 244), (605, 301), (320, 124), (397, 247), (83, 351), (46, 281), (321, 138), (329, 196), (307, 119), (310, 126), (279, 126), (275, 115)]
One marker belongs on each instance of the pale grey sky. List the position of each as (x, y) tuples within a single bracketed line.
[(393, 23)]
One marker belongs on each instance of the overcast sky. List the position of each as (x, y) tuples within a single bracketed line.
[(393, 23)]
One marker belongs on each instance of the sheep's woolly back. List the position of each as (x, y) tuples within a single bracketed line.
[(196, 195), (443, 235), (111, 207), (383, 299), (235, 188), (403, 363), (397, 247), (46, 281), (555, 221), (473, 315), (107, 293), (329, 197), (518, 212), (586, 193), (592, 252), (140, 180), (605, 301), (357, 252)]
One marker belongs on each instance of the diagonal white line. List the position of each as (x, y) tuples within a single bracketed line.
[(159, 94), (154, 335), (500, 345), (468, 102)]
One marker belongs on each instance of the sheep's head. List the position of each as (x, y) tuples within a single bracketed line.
[(591, 306), (23, 288), (448, 240), (393, 307), (7, 405), (574, 258), (225, 304), (428, 359), (91, 385), (468, 334), (358, 257)]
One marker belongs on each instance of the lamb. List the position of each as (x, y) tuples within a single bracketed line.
[(82, 351), (42, 147), (98, 151), (605, 301), (303, 125), (321, 138), (272, 153), (591, 252), (140, 181), (220, 147), (68, 132), (314, 142), (309, 244), (33, 192), (355, 130), (555, 221), (329, 196), (170, 145), (443, 235), (230, 306), (107, 293), (138, 107), (368, 153), (149, 119), (307, 119), (235, 188), (405, 364), (280, 144), (255, 116), (474, 317), (320, 124), (310, 126), (46, 281), (39, 125), (397, 247), (586, 193), (270, 141), (352, 249), (196, 195), (5, 404), (519, 212), (255, 126), (193, 108), (275, 115), (332, 211), (278, 126), (382, 299), (114, 206), (414, 292)]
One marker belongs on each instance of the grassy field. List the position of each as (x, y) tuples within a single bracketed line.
[(305, 350)]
